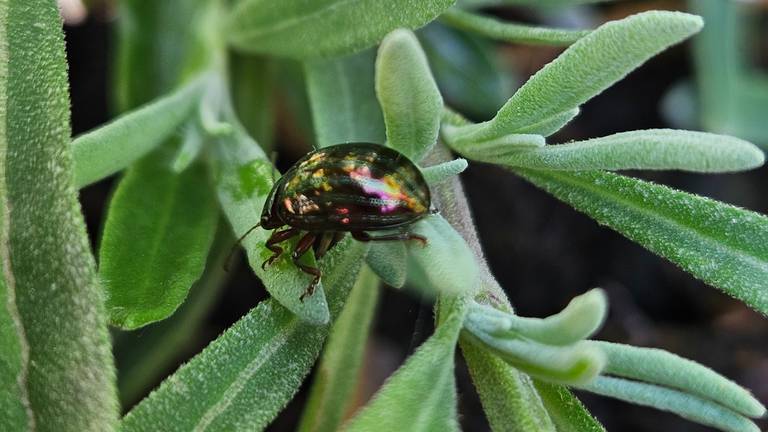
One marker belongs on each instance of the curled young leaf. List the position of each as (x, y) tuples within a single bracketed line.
[(444, 171), (408, 95)]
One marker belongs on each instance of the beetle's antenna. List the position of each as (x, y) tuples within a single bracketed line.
[(232, 251)]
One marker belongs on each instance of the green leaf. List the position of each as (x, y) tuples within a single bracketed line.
[(333, 389), (584, 70), (145, 357), (446, 265), (688, 406), (470, 76), (252, 81), (389, 260), (57, 363), (579, 320), (156, 238), (510, 32), (444, 171), (111, 148), (192, 143), (243, 177), (408, 95), (421, 395), (664, 368), (565, 410), (301, 29), (343, 100), (510, 401), (722, 245), (646, 149), (264, 357)]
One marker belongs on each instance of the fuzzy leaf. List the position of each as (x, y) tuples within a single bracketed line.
[(657, 149), (565, 410), (510, 32), (667, 369), (421, 395), (156, 238), (264, 357), (113, 147), (57, 362), (509, 399), (446, 265), (340, 368), (343, 100), (444, 171), (389, 260), (584, 70), (685, 405), (301, 29), (722, 245), (408, 95), (243, 181)]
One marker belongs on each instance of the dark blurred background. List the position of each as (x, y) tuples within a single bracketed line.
[(542, 252)]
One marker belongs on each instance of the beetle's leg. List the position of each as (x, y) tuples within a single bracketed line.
[(365, 237), (274, 239), (326, 242), (302, 247)]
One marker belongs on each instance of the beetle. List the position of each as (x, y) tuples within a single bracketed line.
[(345, 188)]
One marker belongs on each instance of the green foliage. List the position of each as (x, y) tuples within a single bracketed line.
[(654, 149), (408, 95), (301, 29), (566, 411), (444, 171), (722, 245), (156, 239), (264, 357), (61, 373)]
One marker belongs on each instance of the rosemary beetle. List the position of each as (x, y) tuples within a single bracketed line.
[(346, 188)]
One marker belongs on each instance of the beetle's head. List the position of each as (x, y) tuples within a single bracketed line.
[(269, 219)]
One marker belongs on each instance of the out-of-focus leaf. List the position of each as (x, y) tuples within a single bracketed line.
[(301, 29), (408, 95), (722, 245), (55, 361), (389, 260), (656, 149), (469, 75), (159, 228), (334, 386), (343, 99), (421, 395), (585, 69), (111, 148), (510, 32), (252, 87), (264, 357)]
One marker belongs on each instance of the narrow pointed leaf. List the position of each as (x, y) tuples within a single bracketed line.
[(585, 69), (156, 238), (509, 398), (685, 405), (243, 177), (408, 95), (264, 357), (58, 363), (510, 32), (389, 260), (667, 369), (566, 411), (343, 99), (421, 395), (332, 393), (444, 171), (301, 29), (114, 146), (720, 244), (656, 149)]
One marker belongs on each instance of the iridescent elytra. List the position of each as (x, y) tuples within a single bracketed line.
[(346, 188)]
